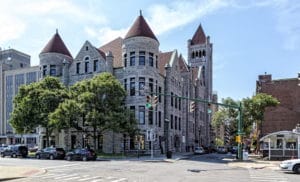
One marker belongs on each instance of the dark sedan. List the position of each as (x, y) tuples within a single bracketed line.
[(50, 153), (83, 154)]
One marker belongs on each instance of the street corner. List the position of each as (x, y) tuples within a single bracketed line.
[(14, 172)]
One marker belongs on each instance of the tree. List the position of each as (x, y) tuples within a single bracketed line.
[(227, 116), (255, 108), (34, 103), (99, 107)]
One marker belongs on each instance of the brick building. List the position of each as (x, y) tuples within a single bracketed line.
[(138, 64), (287, 114)]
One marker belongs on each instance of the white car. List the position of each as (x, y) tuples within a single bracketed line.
[(199, 150), (291, 165)]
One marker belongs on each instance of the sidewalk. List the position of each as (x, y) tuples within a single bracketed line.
[(14, 172), (255, 163)]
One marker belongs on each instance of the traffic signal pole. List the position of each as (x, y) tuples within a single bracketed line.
[(240, 116)]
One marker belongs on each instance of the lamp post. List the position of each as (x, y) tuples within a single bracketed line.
[(166, 127)]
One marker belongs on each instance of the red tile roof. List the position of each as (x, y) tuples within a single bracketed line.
[(56, 45), (115, 46), (163, 59), (101, 53), (182, 64), (199, 36), (140, 28)]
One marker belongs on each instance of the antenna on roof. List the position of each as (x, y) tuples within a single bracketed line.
[(141, 13)]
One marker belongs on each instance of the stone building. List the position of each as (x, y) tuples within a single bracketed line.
[(286, 115), (143, 69)]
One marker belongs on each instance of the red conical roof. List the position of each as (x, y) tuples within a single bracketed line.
[(57, 45), (140, 28), (199, 36)]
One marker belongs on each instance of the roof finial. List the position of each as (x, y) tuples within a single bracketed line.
[(141, 13), (56, 31)]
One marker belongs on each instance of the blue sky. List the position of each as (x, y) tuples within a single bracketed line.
[(250, 37)]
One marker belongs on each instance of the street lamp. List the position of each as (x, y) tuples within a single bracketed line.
[(166, 127)]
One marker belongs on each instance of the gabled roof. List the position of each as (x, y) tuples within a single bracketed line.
[(56, 45), (199, 36), (182, 64), (115, 46), (101, 53), (163, 59), (140, 28)]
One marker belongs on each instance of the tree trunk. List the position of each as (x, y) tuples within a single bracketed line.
[(47, 137), (94, 136)]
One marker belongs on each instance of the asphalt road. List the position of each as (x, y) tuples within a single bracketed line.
[(207, 168)]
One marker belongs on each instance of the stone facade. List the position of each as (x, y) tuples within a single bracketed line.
[(143, 70), (286, 115)]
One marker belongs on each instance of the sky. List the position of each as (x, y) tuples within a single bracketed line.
[(250, 37)]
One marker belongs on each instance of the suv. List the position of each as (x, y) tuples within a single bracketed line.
[(83, 154), (51, 153), (15, 150)]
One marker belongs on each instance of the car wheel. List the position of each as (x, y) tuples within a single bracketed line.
[(51, 157), (296, 169), (84, 158), (14, 155), (69, 158), (38, 156)]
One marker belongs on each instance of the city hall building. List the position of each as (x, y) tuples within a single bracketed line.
[(139, 65)]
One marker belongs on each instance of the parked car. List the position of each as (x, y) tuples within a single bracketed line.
[(50, 153), (199, 150), (2, 147), (221, 150), (291, 165), (15, 151), (83, 154)]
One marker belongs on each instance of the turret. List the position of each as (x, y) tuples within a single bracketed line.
[(53, 55)]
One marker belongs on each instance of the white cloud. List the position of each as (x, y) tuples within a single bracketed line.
[(167, 17), (11, 28), (16, 16), (106, 34)]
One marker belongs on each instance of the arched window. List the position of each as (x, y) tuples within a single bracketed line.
[(87, 58), (193, 55), (204, 53), (196, 53), (200, 55)]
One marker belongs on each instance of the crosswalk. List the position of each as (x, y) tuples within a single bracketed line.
[(266, 175), (68, 173)]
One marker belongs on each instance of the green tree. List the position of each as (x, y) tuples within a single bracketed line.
[(34, 103), (255, 108), (99, 105)]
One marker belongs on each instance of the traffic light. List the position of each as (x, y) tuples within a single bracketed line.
[(238, 138), (148, 101), (209, 109), (155, 101), (192, 106)]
